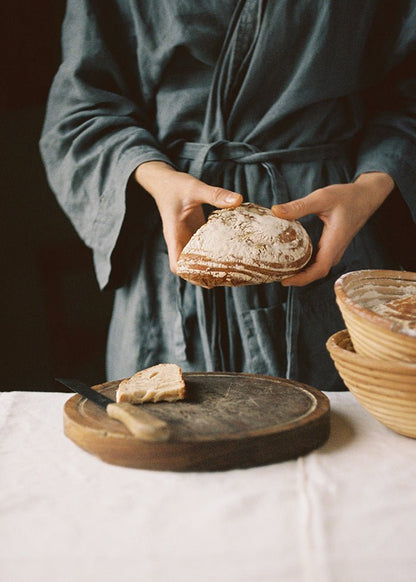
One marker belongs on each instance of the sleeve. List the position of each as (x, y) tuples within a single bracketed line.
[(97, 130), (388, 141)]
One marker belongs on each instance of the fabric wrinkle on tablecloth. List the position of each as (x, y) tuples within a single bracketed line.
[(344, 512)]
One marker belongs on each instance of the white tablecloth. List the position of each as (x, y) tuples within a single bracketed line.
[(344, 513)]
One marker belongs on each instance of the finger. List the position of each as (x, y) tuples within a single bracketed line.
[(330, 250), (174, 247), (310, 274), (178, 233), (218, 197), (176, 240), (315, 203)]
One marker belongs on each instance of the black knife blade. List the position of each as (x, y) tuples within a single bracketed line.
[(139, 422), (82, 388)]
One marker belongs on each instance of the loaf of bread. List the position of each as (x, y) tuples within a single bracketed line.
[(160, 382), (246, 245)]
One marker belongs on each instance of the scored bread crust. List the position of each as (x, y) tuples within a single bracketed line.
[(246, 245), (163, 382)]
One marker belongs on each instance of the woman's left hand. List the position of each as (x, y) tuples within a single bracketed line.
[(344, 209)]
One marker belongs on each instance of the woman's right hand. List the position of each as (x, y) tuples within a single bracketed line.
[(179, 198)]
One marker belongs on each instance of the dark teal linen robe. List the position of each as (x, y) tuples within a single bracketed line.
[(327, 90)]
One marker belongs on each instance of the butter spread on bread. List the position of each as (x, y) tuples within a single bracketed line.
[(161, 382), (246, 245)]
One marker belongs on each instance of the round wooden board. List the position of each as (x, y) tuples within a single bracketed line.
[(226, 421)]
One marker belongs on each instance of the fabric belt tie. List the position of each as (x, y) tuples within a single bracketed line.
[(243, 153)]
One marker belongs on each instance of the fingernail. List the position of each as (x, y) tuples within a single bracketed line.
[(231, 198)]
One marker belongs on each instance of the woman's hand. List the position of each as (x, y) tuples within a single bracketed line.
[(179, 198), (344, 209)]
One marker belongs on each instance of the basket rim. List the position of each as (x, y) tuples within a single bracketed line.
[(366, 313), (334, 348)]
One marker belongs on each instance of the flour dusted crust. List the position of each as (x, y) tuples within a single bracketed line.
[(247, 245), (401, 312), (161, 382)]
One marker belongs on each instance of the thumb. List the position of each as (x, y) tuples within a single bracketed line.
[(220, 197), (292, 210), (313, 203)]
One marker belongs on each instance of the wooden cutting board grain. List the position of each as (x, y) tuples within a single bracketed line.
[(227, 421)]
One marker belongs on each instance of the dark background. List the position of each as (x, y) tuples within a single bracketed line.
[(53, 318)]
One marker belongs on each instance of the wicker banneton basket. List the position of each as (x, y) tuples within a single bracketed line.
[(379, 310), (387, 390)]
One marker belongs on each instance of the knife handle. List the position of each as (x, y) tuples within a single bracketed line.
[(139, 422)]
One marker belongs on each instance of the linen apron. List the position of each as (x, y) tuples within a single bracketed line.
[(264, 329), (269, 99)]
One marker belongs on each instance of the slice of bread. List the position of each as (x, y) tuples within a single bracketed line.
[(161, 382)]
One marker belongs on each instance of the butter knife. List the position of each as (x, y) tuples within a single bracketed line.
[(139, 422)]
